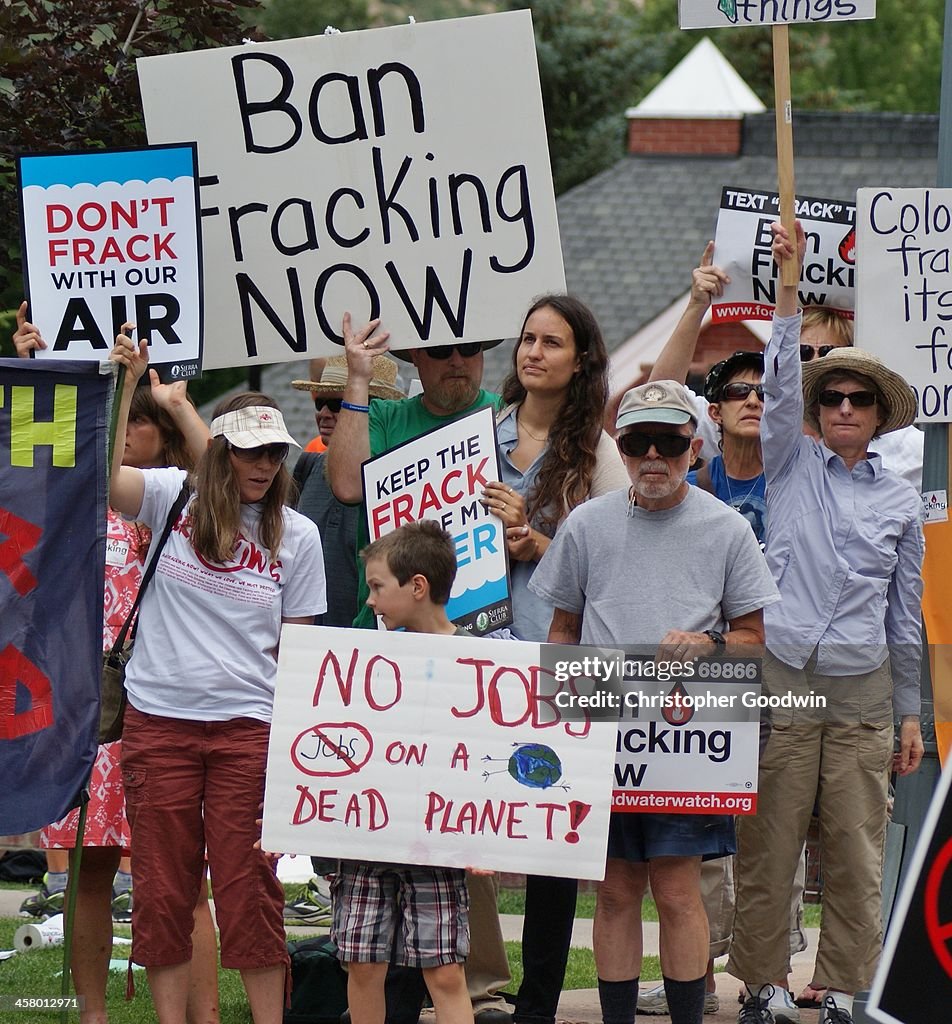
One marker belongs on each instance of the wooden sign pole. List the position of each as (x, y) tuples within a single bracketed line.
[(784, 112)]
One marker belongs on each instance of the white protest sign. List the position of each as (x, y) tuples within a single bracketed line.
[(904, 289), (424, 749), (742, 248), (441, 476), (110, 237), (688, 741), (396, 172), (725, 13)]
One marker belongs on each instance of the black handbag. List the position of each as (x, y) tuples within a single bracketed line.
[(112, 694)]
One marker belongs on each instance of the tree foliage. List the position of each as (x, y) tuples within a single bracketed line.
[(68, 81)]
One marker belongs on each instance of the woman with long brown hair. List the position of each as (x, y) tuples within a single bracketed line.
[(553, 455), (237, 563)]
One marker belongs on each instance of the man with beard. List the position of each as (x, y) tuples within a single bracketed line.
[(451, 376), (619, 569)]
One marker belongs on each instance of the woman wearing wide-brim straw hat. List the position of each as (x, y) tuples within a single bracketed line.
[(383, 383), (897, 401), (845, 546)]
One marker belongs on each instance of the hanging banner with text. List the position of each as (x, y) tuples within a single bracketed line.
[(688, 739), (53, 429), (441, 476), (919, 940), (904, 289), (725, 13), (400, 173), (111, 237), (423, 749), (742, 248)]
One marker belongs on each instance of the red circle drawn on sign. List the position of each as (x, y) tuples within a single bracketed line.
[(349, 765), (939, 932)]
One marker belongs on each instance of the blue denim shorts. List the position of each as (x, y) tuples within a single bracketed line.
[(642, 837)]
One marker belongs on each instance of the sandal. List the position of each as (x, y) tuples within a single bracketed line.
[(811, 998)]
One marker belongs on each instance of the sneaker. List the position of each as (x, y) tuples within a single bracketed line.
[(43, 903), (122, 906), (833, 1014), (782, 1006), (654, 1002), (310, 904), (756, 1008)]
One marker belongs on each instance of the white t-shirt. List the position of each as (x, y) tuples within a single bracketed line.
[(207, 643)]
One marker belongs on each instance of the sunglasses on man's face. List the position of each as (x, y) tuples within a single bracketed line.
[(739, 390), (274, 453), (810, 352), (832, 398), (668, 446), (333, 404), (467, 351)]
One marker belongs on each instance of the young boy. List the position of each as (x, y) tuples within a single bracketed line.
[(418, 915)]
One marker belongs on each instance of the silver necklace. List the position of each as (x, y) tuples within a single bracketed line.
[(738, 503)]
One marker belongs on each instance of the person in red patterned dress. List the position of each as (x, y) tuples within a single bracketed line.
[(164, 430)]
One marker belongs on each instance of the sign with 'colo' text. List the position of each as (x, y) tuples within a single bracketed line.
[(904, 289), (397, 172)]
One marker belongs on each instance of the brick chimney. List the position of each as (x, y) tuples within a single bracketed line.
[(698, 108)]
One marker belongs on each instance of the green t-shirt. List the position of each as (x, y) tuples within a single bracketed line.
[(392, 424)]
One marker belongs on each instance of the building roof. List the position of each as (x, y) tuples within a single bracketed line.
[(725, 93), (632, 234)]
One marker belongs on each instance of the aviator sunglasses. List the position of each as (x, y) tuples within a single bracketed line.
[(808, 352), (858, 399), (740, 389), (668, 446), (274, 453), (467, 350)]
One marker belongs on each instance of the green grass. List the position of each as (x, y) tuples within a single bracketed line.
[(580, 972)]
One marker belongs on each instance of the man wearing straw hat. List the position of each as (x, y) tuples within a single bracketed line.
[(845, 545), (336, 521)]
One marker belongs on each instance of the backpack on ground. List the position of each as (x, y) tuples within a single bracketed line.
[(318, 982)]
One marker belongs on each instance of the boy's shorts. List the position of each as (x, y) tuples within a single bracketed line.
[(404, 914)]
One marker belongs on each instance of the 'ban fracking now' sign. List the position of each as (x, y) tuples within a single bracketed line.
[(423, 749), (398, 172), (725, 13), (110, 237), (904, 289), (743, 248)]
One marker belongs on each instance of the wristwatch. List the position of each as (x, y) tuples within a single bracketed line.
[(717, 639)]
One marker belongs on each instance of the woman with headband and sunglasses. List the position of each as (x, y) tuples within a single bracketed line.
[(845, 545), (553, 455), (236, 565)]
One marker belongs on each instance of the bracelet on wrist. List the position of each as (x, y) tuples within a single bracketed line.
[(355, 408)]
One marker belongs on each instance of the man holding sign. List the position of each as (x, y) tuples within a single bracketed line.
[(693, 554)]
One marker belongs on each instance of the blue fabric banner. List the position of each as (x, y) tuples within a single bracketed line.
[(53, 432)]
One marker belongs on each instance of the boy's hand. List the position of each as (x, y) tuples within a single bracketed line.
[(483, 872)]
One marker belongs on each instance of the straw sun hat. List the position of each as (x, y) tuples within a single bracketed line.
[(383, 383), (898, 397)]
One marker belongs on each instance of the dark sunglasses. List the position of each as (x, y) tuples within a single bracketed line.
[(332, 403), (274, 453), (445, 351), (858, 399), (668, 446), (808, 352), (740, 389)]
